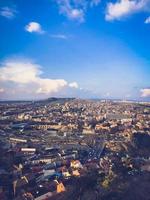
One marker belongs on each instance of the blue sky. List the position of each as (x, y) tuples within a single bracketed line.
[(88, 49)]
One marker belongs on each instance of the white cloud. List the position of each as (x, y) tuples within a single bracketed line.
[(1, 90), (24, 79), (8, 12), (75, 9), (145, 92), (73, 12), (123, 8), (127, 95), (19, 72), (74, 85), (95, 2), (107, 94), (59, 36), (147, 21), (48, 86), (34, 27), (76, 14)]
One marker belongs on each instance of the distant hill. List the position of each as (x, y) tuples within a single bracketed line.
[(49, 100), (54, 99)]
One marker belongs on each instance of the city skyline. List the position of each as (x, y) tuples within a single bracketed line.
[(75, 48)]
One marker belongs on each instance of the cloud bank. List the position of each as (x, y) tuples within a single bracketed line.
[(24, 79)]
